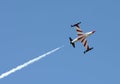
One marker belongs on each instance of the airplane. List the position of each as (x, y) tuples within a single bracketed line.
[(81, 37)]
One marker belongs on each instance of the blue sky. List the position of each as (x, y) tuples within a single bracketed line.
[(29, 28)]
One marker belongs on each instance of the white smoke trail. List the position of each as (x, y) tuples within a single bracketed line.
[(28, 63)]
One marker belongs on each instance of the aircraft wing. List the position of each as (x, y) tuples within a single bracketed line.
[(83, 40), (81, 36), (79, 30)]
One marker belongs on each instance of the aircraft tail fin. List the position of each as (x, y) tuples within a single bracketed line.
[(73, 44)]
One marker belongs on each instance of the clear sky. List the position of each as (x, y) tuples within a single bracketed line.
[(29, 28)]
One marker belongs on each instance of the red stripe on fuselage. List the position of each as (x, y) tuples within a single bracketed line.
[(80, 38), (83, 40)]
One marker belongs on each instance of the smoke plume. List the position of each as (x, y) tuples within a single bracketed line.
[(28, 63)]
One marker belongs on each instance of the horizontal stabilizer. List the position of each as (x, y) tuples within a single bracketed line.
[(73, 44)]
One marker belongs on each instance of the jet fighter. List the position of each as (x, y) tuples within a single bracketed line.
[(81, 37)]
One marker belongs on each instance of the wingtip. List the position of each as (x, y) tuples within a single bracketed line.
[(71, 25), (88, 50)]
